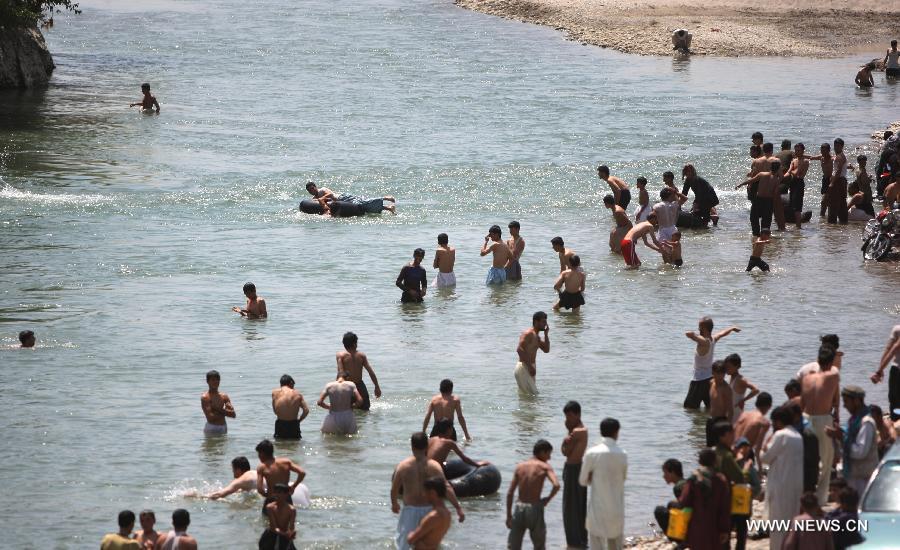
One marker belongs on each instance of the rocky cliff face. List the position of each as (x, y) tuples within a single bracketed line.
[(25, 61)]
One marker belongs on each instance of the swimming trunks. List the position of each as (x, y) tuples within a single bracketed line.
[(215, 429), (270, 499), (796, 189), (624, 198), (452, 430), (410, 516), (514, 271), (526, 382), (892, 73), (761, 215), (341, 423), (569, 300), (364, 393), (495, 276), (444, 280), (371, 206), (826, 181), (628, 252), (270, 540), (287, 429)]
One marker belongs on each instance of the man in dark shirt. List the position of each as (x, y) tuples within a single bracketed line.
[(705, 197), (412, 279)]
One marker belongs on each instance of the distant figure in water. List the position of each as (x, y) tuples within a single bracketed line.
[(147, 536), (440, 444), (27, 339), (570, 286), (681, 41), (432, 528), (216, 406), (864, 76), (501, 255), (444, 259), (353, 361), (177, 538), (148, 102), (287, 404), (516, 245), (529, 342), (413, 279), (342, 396), (326, 196), (244, 480), (446, 406), (892, 61), (256, 306)]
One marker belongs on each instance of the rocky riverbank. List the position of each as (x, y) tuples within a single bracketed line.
[(25, 61)]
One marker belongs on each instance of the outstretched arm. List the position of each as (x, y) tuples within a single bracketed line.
[(719, 335)]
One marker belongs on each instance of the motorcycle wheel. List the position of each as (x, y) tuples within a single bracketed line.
[(877, 248)]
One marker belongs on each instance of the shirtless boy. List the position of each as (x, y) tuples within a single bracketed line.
[(836, 194), (820, 399), (431, 530), (574, 494), (623, 224), (446, 406), (761, 210), (721, 402), (286, 404), (529, 342), (796, 184), (178, 538), (444, 259), (216, 406), (148, 102), (516, 246), (256, 306), (353, 362), (440, 445), (640, 213), (671, 250), (493, 244), (640, 231), (272, 471), (827, 163), (282, 521), (148, 536), (409, 478), (753, 424), (564, 253), (620, 190), (570, 286), (244, 479), (321, 194), (703, 360), (529, 478)]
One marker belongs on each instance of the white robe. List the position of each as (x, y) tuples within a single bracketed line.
[(606, 465), (784, 484)]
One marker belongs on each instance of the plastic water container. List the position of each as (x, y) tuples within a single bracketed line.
[(741, 496), (679, 519)]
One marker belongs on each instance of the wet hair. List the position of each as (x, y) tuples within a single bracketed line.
[(757, 135), (642, 180), (574, 261), (665, 193), (831, 340), (349, 340), (707, 457), (668, 174), (514, 224), (147, 514), (419, 441), (707, 323), (826, 146), (436, 484), (609, 199), (286, 380), (848, 498), (538, 316), (862, 159), (721, 429), (609, 427), (241, 463), (556, 240), (213, 374), (809, 502), (249, 288), (446, 385), (782, 415), (763, 400), (281, 488), (603, 169), (442, 238), (443, 426), (310, 184), (768, 148), (181, 519), (826, 355), (418, 252), (718, 367), (785, 144), (734, 359), (265, 448), (893, 43), (673, 466), (838, 141), (126, 518), (25, 336), (495, 230), (541, 446), (145, 86), (792, 386), (755, 151), (573, 407), (688, 168), (800, 145), (775, 167)]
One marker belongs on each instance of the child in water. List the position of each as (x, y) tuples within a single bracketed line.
[(148, 102), (864, 76), (672, 250)]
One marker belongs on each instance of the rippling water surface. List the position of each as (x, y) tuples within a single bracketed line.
[(125, 240)]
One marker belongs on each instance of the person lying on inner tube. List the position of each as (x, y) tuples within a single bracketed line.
[(440, 445), (322, 195)]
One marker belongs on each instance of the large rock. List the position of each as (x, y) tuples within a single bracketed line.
[(25, 61)]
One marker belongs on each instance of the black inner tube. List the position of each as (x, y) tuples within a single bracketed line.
[(468, 481)]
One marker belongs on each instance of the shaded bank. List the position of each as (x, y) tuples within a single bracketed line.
[(25, 61), (726, 28)]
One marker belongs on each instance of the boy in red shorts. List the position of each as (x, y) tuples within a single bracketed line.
[(640, 231)]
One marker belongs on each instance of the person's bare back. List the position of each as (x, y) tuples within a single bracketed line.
[(411, 473), (282, 518), (433, 526), (276, 471), (573, 281), (530, 476), (501, 254), (564, 255), (753, 425), (821, 391), (445, 258), (286, 403)]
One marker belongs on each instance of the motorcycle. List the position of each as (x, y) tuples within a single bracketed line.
[(882, 234)]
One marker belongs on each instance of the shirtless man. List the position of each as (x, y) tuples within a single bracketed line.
[(409, 477), (620, 190), (148, 102), (761, 209), (570, 286), (501, 255), (516, 246), (821, 405), (148, 536), (440, 445), (564, 253), (529, 342), (446, 406), (177, 538), (256, 306), (444, 259), (836, 194), (244, 479), (796, 184), (431, 530), (286, 404), (623, 224), (640, 213), (753, 424), (216, 406), (353, 362), (667, 211), (272, 471), (827, 163), (322, 195), (574, 494), (282, 518), (27, 339), (640, 231), (721, 402), (529, 478)]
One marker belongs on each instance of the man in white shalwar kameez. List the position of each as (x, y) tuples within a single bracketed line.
[(783, 453), (603, 470)]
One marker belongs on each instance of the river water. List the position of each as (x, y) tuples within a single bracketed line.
[(126, 238)]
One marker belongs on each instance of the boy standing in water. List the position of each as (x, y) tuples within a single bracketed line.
[(529, 342), (623, 224), (529, 478), (827, 162), (570, 286), (501, 256), (640, 213), (836, 196), (640, 231), (412, 279), (353, 362), (565, 254), (216, 406), (574, 495), (796, 184), (516, 246), (432, 528), (147, 536), (282, 519), (256, 306), (703, 359), (444, 406), (148, 102), (617, 185), (444, 259)]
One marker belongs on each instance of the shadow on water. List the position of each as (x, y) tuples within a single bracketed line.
[(21, 109), (213, 446), (527, 421)]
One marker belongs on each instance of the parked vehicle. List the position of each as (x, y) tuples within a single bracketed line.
[(882, 234), (880, 507)]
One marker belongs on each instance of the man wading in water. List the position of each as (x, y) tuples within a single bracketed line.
[(353, 362), (529, 343), (286, 404)]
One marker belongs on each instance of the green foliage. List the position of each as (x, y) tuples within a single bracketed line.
[(28, 13)]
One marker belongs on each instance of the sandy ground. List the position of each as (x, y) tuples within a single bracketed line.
[(727, 28)]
